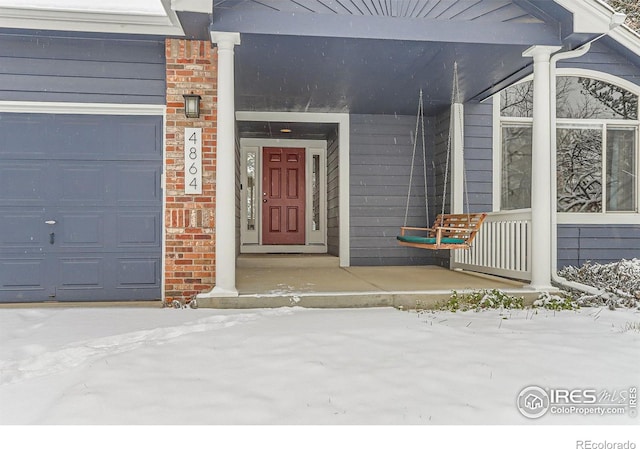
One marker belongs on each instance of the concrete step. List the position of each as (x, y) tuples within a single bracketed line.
[(399, 300)]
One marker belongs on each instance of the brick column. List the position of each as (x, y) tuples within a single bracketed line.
[(191, 67)]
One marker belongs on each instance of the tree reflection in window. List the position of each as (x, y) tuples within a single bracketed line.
[(516, 154), (579, 170), (517, 101), (589, 111), (589, 98)]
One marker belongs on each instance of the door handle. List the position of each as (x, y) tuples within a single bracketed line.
[(264, 200), (50, 222), (52, 238)]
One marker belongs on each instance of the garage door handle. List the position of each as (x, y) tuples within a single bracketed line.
[(52, 238), (50, 222)]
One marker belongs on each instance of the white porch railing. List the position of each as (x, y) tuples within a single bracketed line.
[(502, 246)]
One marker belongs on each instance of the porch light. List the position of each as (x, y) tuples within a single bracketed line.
[(191, 105)]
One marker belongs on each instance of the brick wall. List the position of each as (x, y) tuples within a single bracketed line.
[(190, 219)]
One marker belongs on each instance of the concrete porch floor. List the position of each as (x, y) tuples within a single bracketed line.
[(317, 281)]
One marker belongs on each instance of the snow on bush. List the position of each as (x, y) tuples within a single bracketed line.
[(620, 280), (481, 300), (556, 302)]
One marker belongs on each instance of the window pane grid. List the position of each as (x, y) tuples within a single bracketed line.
[(597, 149)]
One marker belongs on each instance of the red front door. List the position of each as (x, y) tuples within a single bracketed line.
[(283, 196)]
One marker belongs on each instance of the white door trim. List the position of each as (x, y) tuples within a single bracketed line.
[(315, 241), (342, 120)]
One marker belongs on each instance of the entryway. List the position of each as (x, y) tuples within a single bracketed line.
[(325, 139), (283, 196)]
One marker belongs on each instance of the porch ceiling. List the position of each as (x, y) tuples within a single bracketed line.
[(364, 76), (373, 56)]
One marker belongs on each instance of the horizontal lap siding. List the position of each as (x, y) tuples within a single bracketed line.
[(597, 243), (380, 164), (81, 69), (478, 155), (333, 196), (438, 156), (602, 58)]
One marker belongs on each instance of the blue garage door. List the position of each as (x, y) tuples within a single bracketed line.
[(80, 207)]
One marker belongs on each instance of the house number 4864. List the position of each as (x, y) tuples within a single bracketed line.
[(193, 161)]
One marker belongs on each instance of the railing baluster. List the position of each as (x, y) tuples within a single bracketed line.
[(502, 246)]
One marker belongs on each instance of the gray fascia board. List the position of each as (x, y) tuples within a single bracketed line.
[(195, 25), (428, 30)]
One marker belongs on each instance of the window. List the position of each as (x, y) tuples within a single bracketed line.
[(251, 201), (596, 146), (516, 110), (516, 157), (315, 192)]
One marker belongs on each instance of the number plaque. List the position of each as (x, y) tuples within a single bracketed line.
[(193, 161)]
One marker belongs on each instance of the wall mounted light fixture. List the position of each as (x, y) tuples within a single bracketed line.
[(192, 105)]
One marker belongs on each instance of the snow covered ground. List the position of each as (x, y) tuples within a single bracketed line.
[(305, 366)]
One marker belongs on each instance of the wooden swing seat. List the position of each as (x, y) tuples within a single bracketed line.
[(449, 231)]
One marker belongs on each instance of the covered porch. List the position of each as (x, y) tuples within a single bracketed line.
[(318, 281), (351, 80)]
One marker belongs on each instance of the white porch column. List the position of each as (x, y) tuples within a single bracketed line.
[(458, 180), (225, 169), (541, 167)]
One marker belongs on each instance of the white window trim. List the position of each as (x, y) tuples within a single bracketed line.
[(605, 218), (315, 241)]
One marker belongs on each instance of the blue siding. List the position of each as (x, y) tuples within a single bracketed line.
[(380, 163), (81, 69), (478, 155), (597, 243), (602, 58), (333, 195)]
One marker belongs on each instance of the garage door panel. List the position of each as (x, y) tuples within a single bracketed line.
[(139, 272), (108, 183), (21, 137), (80, 137), (80, 272), (145, 137), (83, 230), (23, 229), (82, 183), (23, 183), (108, 138), (138, 183), (111, 276), (139, 229), (22, 273)]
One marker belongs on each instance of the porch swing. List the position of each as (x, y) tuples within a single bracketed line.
[(449, 231)]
